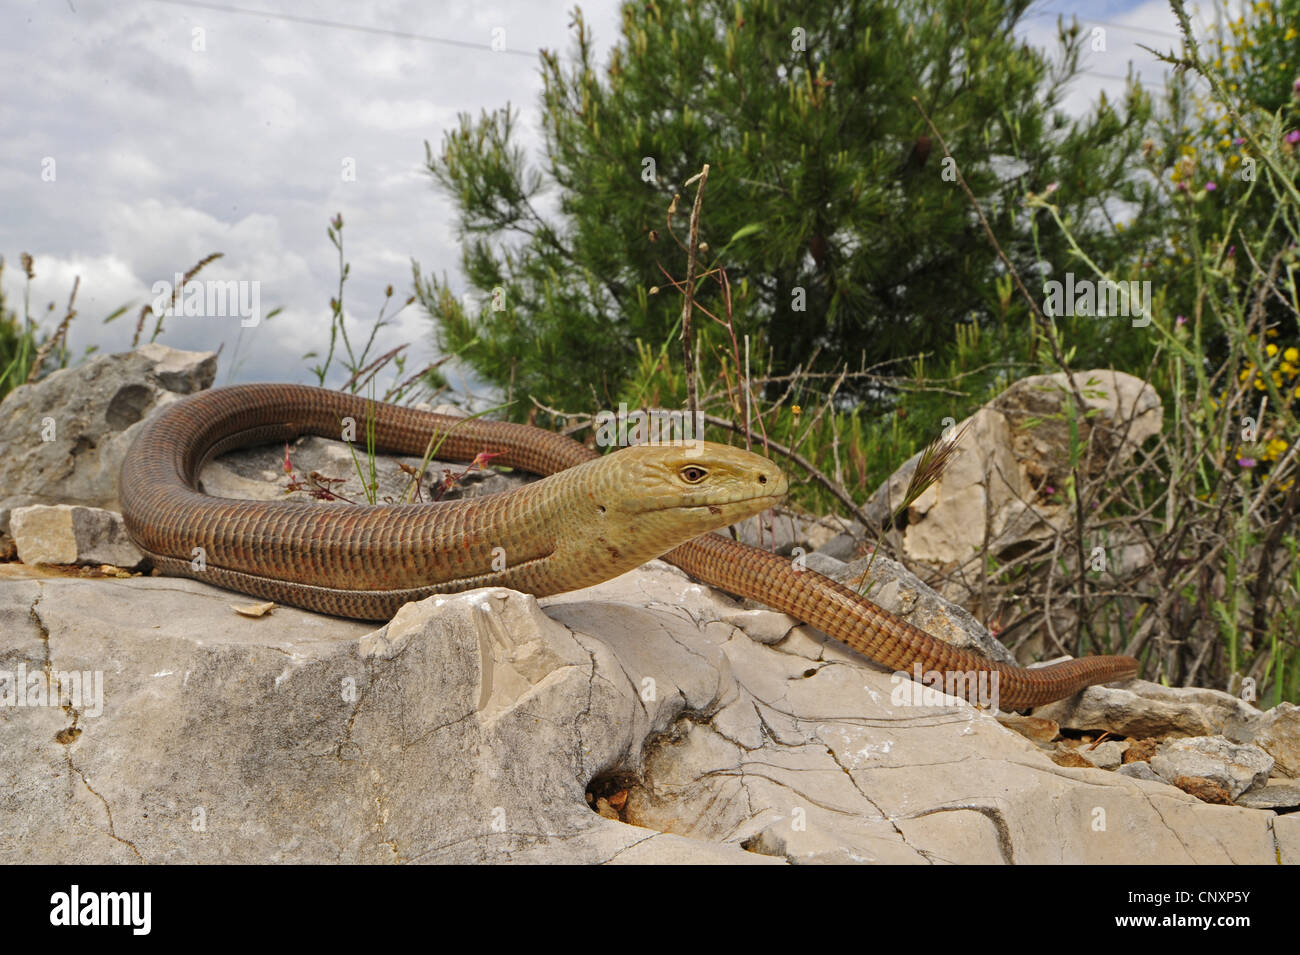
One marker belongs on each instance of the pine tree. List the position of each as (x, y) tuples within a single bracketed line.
[(829, 201)]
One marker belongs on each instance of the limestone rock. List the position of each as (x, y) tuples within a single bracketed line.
[(1030, 727), (258, 474), (782, 530), (1141, 708), (893, 587), (996, 494), (65, 435), (1105, 755), (847, 545), (1206, 790), (1139, 770), (1276, 794), (1234, 767), (1277, 733), (649, 719), (64, 534), (470, 728)]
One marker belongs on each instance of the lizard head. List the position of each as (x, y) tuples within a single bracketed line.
[(640, 502), (704, 484)]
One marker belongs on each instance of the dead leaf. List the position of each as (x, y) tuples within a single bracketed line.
[(254, 610)]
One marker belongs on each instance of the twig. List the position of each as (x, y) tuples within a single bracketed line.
[(688, 301)]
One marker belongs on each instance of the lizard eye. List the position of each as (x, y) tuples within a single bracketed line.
[(692, 474)]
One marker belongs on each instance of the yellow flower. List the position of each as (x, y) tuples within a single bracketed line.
[(1270, 350), (1291, 354), (1276, 448)]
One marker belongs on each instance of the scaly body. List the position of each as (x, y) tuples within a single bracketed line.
[(592, 518)]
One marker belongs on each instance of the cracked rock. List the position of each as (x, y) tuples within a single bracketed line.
[(1236, 768), (471, 727)]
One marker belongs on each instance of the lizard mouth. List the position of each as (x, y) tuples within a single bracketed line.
[(752, 505)]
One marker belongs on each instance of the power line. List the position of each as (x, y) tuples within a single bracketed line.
[(1104, 23), (337, 25), (469, 45)]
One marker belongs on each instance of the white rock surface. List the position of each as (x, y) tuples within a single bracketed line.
[(468, 728)]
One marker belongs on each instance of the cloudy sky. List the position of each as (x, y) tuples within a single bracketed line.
[(137, 136)]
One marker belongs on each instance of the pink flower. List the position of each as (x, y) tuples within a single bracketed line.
[(1210, 187), (1246, 462), (1293, 137), (1238, 141), (1181, 320)]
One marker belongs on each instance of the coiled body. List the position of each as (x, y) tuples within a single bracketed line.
[(594, 517)]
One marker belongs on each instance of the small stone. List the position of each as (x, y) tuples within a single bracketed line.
[(1030, 727), (1106, 755), (70, 534), (1069, 757), (1277, 794), (1234, 767), (1139, 770), (762, 626), (1140, 750), (1206, 790)]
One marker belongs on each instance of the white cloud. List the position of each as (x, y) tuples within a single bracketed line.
[(166, 153)]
